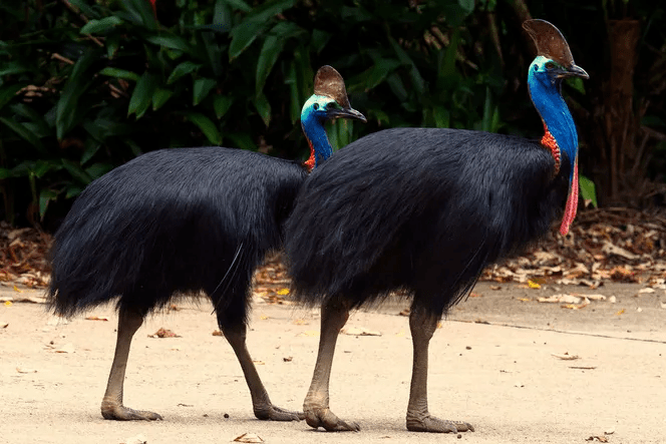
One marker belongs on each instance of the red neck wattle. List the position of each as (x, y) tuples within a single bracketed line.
[(549, 142), (310, 163)]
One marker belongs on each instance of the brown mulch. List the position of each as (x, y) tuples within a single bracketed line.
[(611, 244)]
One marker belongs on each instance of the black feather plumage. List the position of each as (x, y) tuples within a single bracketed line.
[(173, 221), (419, 209)]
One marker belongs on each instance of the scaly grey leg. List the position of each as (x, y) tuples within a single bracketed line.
[(423, 326), (334, 315), (261, 403), (129, 322)]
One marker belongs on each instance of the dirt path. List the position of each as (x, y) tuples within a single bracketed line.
[(503, 379)]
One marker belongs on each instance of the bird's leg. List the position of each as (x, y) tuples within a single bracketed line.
[(261, 403), (129, 321), (422, 326), (334, 315)]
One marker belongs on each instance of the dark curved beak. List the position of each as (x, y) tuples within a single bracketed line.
[(346, 113), (572, 71)]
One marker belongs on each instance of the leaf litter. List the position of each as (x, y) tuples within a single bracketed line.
[(609, 244)]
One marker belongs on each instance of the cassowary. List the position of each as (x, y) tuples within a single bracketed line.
[(180, 221), (425, 210)]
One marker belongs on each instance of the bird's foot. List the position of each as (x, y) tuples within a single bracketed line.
[(273, 413), (323, 417), (122, 413), (431, 424)]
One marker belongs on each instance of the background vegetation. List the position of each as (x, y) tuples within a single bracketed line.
[(86, 85)]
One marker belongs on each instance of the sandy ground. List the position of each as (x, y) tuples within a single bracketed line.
[(492, 364)]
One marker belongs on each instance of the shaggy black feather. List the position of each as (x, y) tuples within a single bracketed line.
[(173, 221), (424, 210)]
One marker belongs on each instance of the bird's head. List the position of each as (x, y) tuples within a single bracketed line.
[(323, 108), (329, 102), (554, 61)]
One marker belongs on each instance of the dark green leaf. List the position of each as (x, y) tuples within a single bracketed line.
[(100, 26), (8, 93), (12, 68), (142, 95), (269, 9), (269, 54), (170, 41), (380, 71), (466, 5), (97, 170), (140, 12), (242, 36), (77, 84), (206, 126), (588, 190), (201, 89), (45, 196), (24, 133), (213, 51), (239, 4), (242, 141), (319, 40), (221, 104), (76, 171), (442, 117), (120, 74), (295, 102), (182, 70), (263, 108), (160, 96), (92, 146)]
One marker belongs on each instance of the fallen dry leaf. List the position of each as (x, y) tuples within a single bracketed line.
[(136, 439), (164, 333), (621, 312), (217, 333), (288, 358), (532, 284), (597, 438), (475, 295), (248, 437), (359, 331), (67, 348), (97, 318), (566, 356)]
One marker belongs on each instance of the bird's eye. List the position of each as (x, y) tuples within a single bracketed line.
[(316, 106), (550, 65)]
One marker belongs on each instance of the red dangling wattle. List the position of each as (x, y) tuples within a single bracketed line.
[(310, 163), (572, 202)]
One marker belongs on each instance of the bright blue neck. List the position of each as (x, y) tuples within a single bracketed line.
[(313, 127), (553, 109)]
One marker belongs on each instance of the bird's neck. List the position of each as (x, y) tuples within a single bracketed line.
[(560, 134), (320, 147), (559, 127)]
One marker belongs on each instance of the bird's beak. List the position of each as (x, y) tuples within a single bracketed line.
[(571, 71), (346, 113)]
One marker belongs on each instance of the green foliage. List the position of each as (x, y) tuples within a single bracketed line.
[(86, 85), (89, 85)]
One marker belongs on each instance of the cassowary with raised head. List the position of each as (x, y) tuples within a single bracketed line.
[(426, 210), (185, 221)]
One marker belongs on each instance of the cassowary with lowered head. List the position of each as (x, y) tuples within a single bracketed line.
[(186, 220), (426, 210)]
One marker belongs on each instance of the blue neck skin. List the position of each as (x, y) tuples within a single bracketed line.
[(312, 122), (548, 100)]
